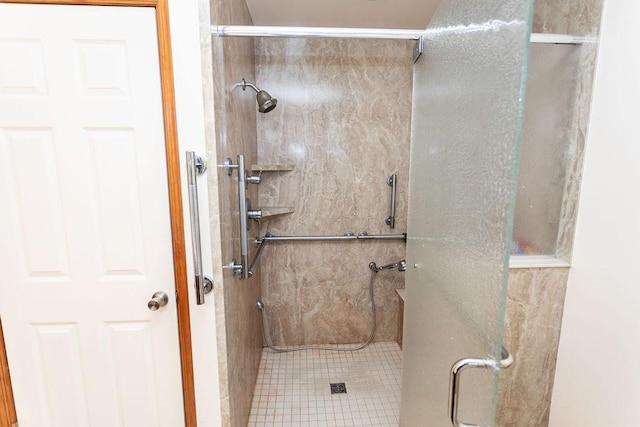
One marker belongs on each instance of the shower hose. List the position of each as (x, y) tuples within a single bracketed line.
[(265, 330)]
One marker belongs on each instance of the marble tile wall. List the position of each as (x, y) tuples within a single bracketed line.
[(578, 17), (535, 300), (536, 296), (238, 322), (343, 120)]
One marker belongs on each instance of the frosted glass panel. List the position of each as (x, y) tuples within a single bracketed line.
[(466, 129), (547, 124)]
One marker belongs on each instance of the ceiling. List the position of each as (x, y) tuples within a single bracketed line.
[(399, 14)]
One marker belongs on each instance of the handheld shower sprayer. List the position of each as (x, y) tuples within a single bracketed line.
[(400, 265), (265, 101)]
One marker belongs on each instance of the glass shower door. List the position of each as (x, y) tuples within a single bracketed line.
[(467, 119)]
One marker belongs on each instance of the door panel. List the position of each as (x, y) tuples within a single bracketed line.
[(467, 114), (86, 227)]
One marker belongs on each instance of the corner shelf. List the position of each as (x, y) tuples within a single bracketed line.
[(268, 212), (273, 211)]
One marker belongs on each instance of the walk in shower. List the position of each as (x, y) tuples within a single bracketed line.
[(324, 227)]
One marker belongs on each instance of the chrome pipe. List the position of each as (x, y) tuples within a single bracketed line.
[(244, 217), (402, 236), (361, 236), (307, 238), (196, 166), (256, 257), (314, 32), (366, 33)]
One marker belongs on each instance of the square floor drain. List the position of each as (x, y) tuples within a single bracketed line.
[(337, 388)]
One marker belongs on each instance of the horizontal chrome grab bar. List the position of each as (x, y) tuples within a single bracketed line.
[(454, 380), (361, 236), (402, 236)]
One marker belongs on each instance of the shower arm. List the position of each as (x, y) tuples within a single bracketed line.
[(243, 84)]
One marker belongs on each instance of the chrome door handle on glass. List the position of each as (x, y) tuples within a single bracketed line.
[(454, 380), (196, 165), (158, 300)]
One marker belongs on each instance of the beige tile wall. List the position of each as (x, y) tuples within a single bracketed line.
[(536, 296), (578, 17), (343, 119), (238, 322), (535, 302)]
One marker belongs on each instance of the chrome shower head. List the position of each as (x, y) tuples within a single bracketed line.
[(265, 101)]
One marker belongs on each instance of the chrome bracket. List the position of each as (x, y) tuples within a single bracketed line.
[(418, 48), (249, 179), (228, 164), (253, 179), (235, 268), (208, 284), (200, 165)]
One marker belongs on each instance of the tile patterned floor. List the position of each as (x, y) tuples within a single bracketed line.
[(293, 389)]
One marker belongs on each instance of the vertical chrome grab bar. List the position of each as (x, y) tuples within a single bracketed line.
[(454, 380), (391, 219), (242, 204), (196, 165)]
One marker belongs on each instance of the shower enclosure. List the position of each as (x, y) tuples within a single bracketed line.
[(468, 92)]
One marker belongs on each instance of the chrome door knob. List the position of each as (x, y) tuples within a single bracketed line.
[(159, 299)]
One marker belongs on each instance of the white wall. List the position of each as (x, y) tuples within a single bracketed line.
[(187, 67), (598, 372)]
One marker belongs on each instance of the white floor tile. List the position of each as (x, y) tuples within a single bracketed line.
[(293, 389)]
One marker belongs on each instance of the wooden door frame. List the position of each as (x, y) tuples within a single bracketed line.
[(175, 201), (7, 406)]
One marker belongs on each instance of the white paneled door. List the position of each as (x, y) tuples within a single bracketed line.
[(85, 235)]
